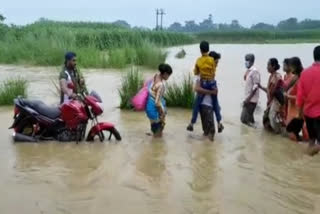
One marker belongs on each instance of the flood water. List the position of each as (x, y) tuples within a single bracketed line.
[(244, 171)]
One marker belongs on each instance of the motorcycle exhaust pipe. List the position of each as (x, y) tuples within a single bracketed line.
[(17, 137)]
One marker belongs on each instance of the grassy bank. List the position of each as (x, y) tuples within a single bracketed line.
[(261, 37), (98, 45), (11, 89), (177, 94)]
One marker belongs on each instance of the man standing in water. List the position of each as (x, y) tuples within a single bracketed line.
[(308, 99), (71, 81), (252, 79)]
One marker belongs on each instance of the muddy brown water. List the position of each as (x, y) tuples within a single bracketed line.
[(244, 171)]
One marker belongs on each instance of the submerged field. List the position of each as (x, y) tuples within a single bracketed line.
[(98, 45), (245, 171), (261, 37)]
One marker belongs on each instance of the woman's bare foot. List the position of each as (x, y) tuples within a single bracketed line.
[(313, 149)]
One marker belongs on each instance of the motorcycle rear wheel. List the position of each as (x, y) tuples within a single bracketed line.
[(25, 128)]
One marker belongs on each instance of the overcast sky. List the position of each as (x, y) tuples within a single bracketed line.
[(142, 12)]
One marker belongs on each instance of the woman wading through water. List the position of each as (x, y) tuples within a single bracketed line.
[(156, 105)]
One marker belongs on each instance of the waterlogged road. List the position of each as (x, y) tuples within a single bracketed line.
[(244, 171)]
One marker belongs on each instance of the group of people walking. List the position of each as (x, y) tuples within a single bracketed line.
[(293, 101), (206, 102)]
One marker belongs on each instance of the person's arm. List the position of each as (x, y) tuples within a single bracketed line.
[(245, 75), (291, 97), (300, 97), (64, 84), (82, 83), (201, 90), (64, 88), (158, 103), (263, 88), (196, 70)]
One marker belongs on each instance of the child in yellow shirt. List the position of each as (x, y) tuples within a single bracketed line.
[(205, 68)]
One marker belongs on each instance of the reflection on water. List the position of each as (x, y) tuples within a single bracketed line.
[(244, 171)]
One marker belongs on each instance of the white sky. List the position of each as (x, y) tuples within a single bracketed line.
[(142, 12)]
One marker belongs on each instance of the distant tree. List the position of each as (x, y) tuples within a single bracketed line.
[(289, 24), (207, 24), (191, 26), (176, 27), (235, 25), (262, 26), (122, 23), (2, 18), (309, 24), (223, 27)]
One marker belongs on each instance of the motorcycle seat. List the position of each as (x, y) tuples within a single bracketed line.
[(42, 108)]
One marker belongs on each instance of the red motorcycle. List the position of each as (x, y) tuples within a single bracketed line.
[(35, 121)]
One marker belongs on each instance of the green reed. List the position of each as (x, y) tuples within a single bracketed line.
[(180, 94), (97, 45), (11, 89), (131, 83)]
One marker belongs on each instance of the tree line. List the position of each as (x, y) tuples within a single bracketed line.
[(208, 25)]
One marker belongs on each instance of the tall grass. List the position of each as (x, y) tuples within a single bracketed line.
[(254, 36), (97, 44), (12, 88), (147, 54), (180, 94), (177, 94), (131, 83)]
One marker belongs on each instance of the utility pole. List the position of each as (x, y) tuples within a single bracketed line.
[(161, 13), (157, 20)]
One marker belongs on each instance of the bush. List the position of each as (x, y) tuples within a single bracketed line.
[(131, 83), (180, 94), (11, 89)]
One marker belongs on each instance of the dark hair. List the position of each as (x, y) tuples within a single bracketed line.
[(215, 55), (286, 61), (316, 53), (69, 56), (295, 62), (250, 57), (274, 63), (165, 68), (204, 47)]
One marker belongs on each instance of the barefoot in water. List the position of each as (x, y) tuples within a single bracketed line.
[(313, 149), (211, 137), (220, 128), (190, 127)]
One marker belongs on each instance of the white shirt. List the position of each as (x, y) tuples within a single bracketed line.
[(207, 100), (66, 98), (252, 81)]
